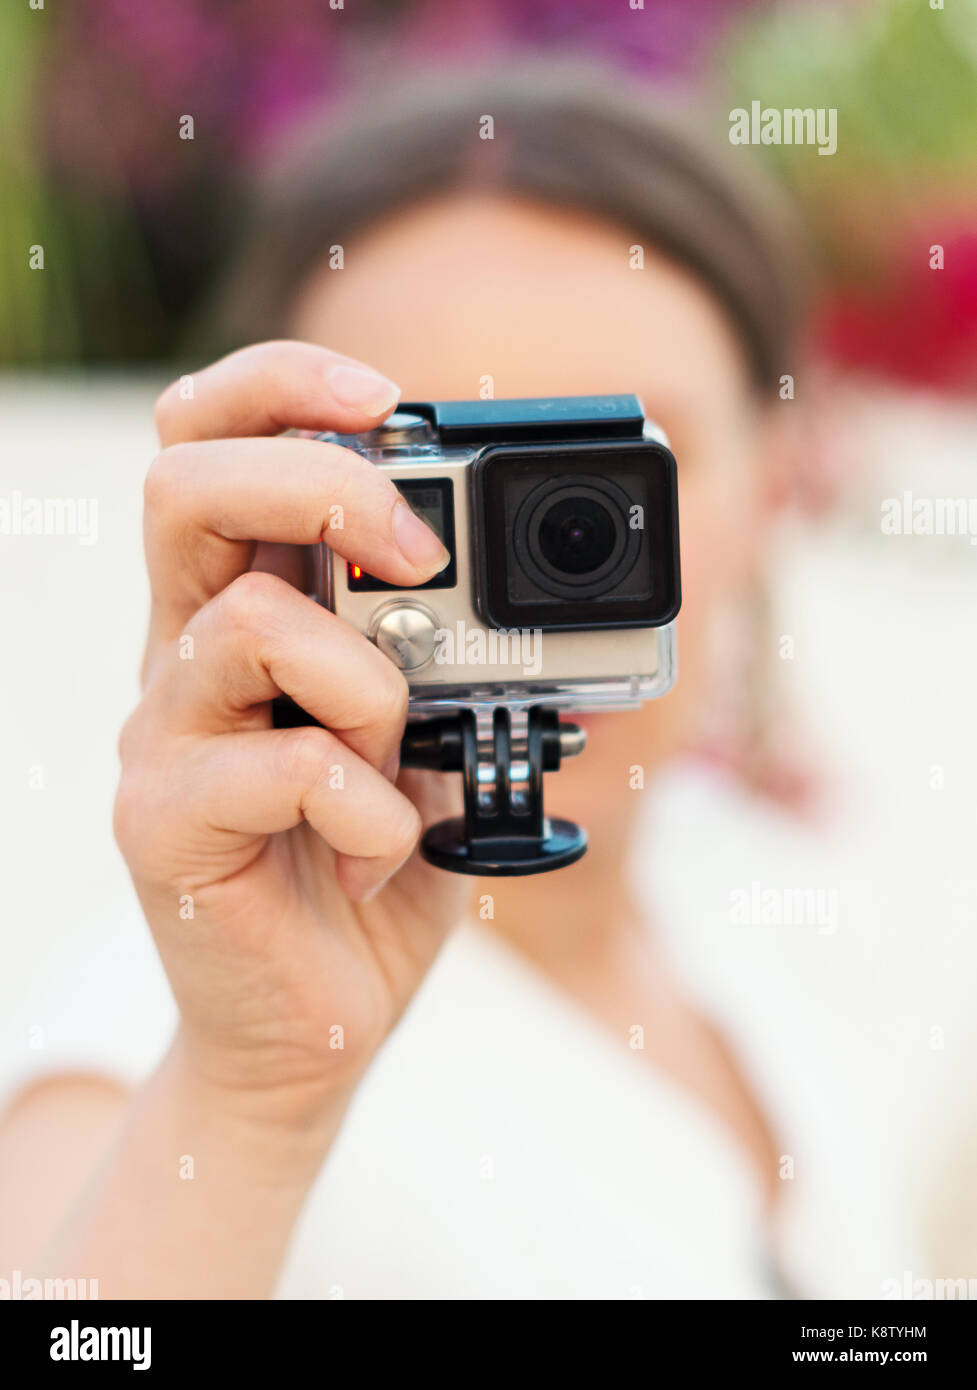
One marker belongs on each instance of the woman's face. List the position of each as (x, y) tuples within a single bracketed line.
[(545, 302)]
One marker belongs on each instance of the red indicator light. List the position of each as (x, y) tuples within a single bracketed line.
[(356, 571)]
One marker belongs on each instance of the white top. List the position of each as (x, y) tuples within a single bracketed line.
[(503, 1145)]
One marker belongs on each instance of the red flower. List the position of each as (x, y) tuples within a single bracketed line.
[(919, 323)]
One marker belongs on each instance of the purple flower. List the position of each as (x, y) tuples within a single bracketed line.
[(119, 75)]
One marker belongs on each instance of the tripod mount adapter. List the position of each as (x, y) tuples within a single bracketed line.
[(501, 755)]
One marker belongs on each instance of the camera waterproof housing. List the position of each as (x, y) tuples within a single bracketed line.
[(560, 516)]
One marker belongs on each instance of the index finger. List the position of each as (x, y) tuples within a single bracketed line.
[(272, 387), (206, 505)]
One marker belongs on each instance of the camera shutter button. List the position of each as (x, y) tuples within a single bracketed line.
[(406, 633)]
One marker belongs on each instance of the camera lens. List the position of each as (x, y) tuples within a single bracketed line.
[(572, 537), (577, 535)]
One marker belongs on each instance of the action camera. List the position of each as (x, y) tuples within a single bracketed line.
[(560, 516)]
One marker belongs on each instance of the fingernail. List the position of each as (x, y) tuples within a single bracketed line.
[(418, 544), (391, 768), (360, 389)]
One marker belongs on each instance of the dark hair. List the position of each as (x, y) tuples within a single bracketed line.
[(574, 135)]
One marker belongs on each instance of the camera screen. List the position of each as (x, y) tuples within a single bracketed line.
[(433, 500), (428, 502)]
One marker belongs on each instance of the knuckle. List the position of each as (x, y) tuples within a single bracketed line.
[(248, 601), (129, 737), (165, 477), (163, 408), (306, 755), (139, 799), (357, 496), (273, 364), (270, 352), (130, 815), (391, 697)]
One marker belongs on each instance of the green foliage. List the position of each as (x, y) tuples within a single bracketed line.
[(95, 268), (903, 78)]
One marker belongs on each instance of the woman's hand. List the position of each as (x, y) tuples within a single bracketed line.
[(277, 868)]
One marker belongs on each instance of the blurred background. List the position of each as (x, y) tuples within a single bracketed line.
[(136, 220), (135, 223)]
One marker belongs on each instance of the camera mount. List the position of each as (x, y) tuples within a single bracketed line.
[(502, 755)]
